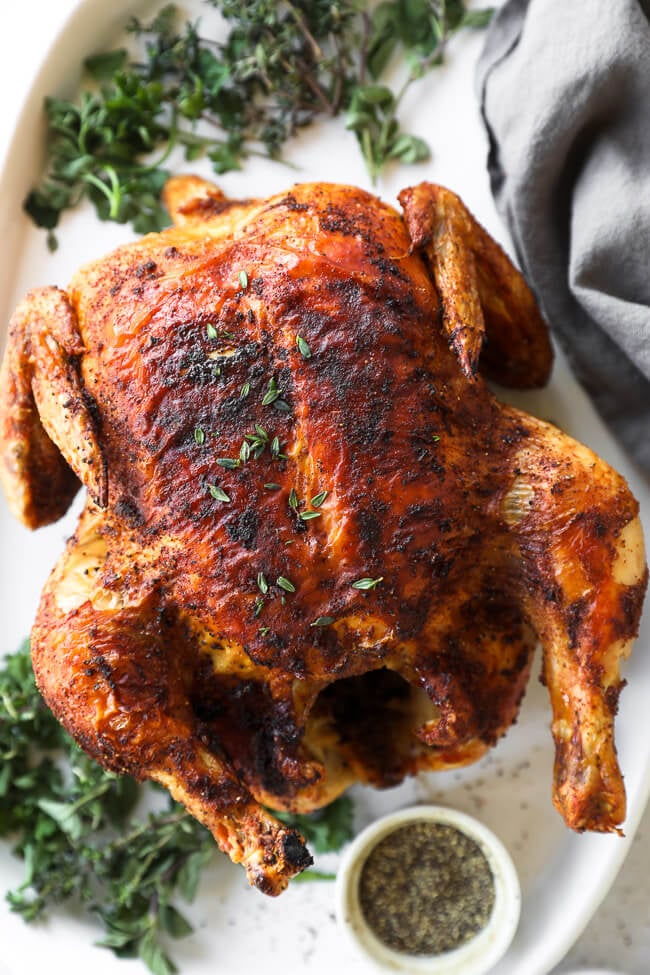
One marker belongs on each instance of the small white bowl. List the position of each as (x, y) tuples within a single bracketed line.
[(473, 958)]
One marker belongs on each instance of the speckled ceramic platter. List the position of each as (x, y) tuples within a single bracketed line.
[(563, 876)]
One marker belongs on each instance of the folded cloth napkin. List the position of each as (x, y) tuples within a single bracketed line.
[(565, 95)]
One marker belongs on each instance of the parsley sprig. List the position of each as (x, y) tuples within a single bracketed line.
[(77, 830), (281, 67)]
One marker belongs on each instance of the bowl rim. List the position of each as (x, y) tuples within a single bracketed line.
[(475, 957)]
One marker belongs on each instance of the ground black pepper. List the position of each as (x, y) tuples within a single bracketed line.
[(426, 888)]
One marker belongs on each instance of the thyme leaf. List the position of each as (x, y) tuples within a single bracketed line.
[(322, 621), (285, 584), (303, 348), (309, 515), (367, 583), (271, 394), (281, 406), (218, 493), (325, 830)]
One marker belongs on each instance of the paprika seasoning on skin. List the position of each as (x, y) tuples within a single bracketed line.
[(426, 888)]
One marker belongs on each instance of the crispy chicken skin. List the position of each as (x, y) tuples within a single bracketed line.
[(198, 630)]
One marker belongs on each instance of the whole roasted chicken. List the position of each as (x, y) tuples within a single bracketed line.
[(315, 549)]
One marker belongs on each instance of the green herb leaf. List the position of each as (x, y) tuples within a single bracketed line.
[(189, 874), (309, 875), (272, 486), (218, 493), (243, 279), (318, 499), (281, 406), (293, 499), (228, 463), (326, 830), (152, 954), (285, 584), (271, 394), (309, 515), (477, 18), (322, 621), (262, 584), (244, 391), (199, 436), (211, 331), (366, 583), (303, 348), (173, 922), (103, 66), (65, 816)]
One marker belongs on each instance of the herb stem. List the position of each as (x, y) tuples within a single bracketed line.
[(300, 21)]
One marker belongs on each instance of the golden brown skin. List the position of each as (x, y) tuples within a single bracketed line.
[(164, 642)]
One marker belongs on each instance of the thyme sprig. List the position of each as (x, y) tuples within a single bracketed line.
[(281, 67), (307, 514)]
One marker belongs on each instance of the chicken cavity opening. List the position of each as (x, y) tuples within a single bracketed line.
[(367, 724)]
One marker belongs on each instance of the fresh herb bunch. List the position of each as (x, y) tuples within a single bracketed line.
[(282, 66), (73, 824)]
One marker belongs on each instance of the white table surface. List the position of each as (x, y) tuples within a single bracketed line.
[(618, 937)]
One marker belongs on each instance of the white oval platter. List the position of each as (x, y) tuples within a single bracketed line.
[(564, 876)]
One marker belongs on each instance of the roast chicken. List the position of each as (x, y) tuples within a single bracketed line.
[(316, 549)]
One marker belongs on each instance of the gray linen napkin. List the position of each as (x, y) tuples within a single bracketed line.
[(565, 96)]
